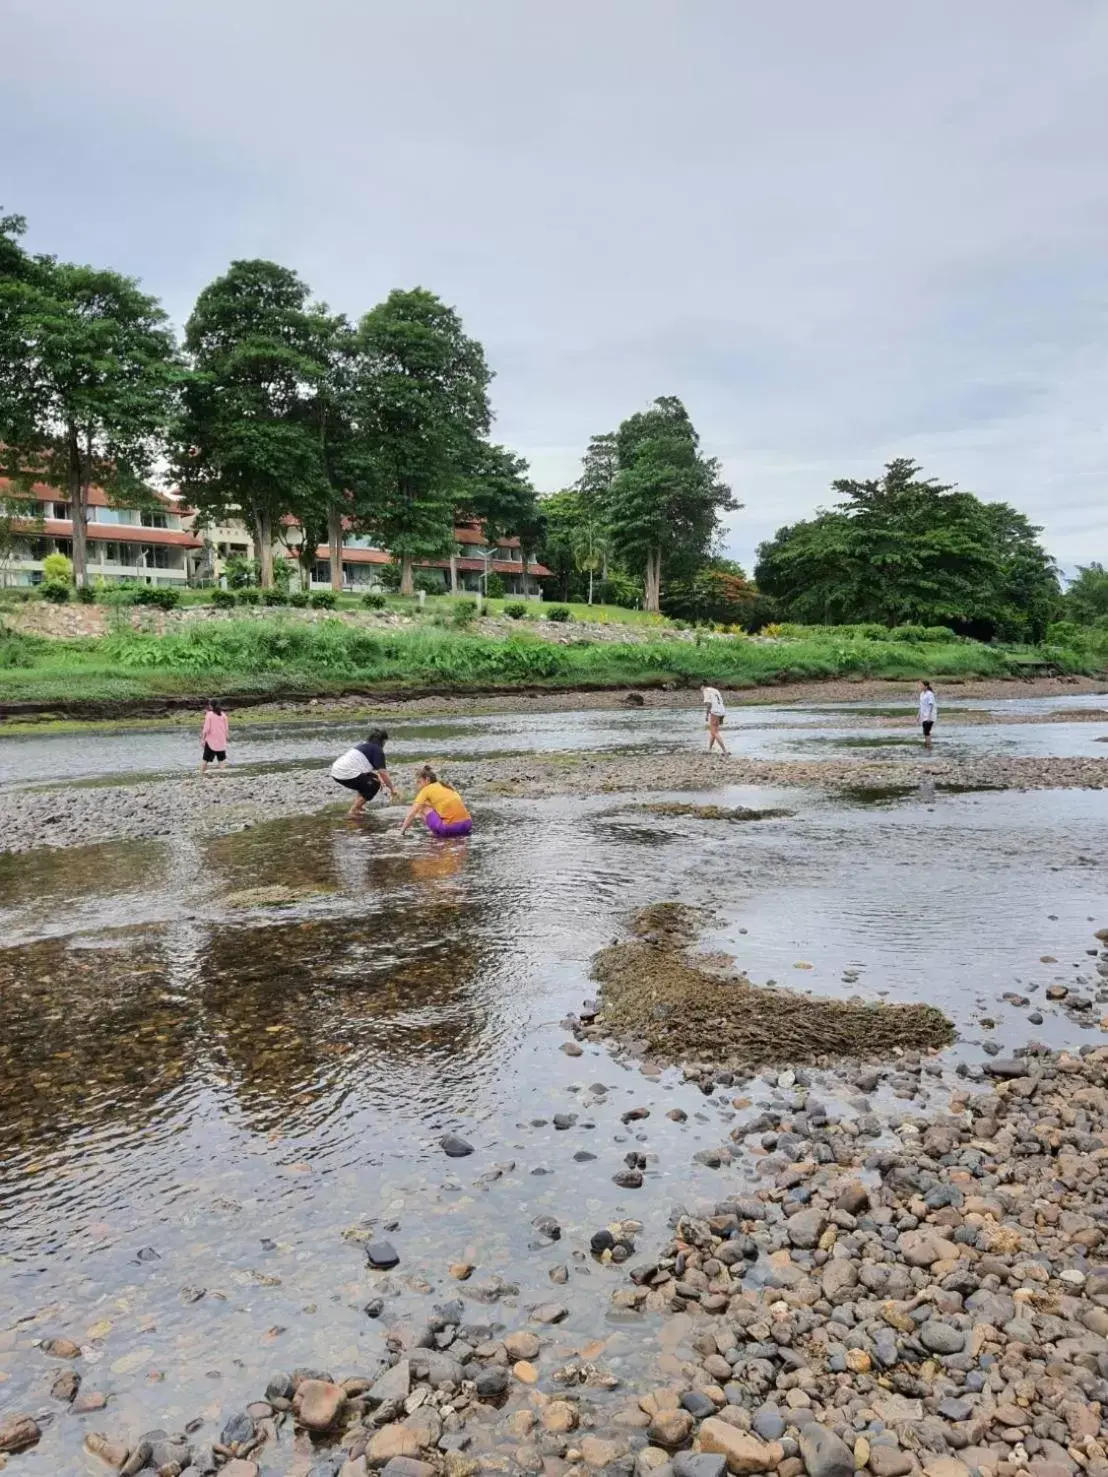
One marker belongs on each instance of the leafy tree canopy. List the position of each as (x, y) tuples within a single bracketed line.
[(904, 548), (420, 401), (1086, 598), (249, 436), (88, 373), (666, 499)]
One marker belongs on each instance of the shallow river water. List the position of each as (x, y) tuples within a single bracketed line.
[(206, 1102)]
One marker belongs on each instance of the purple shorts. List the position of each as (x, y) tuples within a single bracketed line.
[(440, 827)]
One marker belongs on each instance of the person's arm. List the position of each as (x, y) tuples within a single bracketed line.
[(206, 728), (386, 779), (417, 808)]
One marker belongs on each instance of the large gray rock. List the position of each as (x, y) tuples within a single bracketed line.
[(824, 1453), (805, 1229), (942, 1338), (699, 1464), (394, 1385), (437, 1369)]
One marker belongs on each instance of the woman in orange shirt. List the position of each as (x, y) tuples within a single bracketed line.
[(442, 808)]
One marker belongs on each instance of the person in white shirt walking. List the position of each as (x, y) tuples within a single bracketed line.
[(928, 711), (714, 715)]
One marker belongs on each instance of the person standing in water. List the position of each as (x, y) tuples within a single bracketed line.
[(213, 737), (441, 807), (364, 770), (714, 715), (928, 709)]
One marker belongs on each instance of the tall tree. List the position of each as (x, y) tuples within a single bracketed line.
[(561, 515), (88, 373), (1087, 596), (249, 436), (421, 404), (666, 498), (904, 548), (599, 469)]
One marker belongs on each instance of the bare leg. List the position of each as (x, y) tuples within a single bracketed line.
[(355, 811), (714, 737), (203, 766)]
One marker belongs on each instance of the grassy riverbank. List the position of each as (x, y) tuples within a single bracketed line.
[(281, 657)]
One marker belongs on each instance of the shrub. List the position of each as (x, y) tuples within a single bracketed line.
[(515, 610), (429, 581), (374, 601), (86, 595), (559, 613), (223, 599), (464, 611), (56, 591), (57, 569), (1064, 633), (275, 596), (248, 596), (495, 588), (299, 598), (323, 600), (240, 572), (161, 599)]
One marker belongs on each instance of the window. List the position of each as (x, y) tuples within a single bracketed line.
[(125, 516), (156, 556), (154, 520), (58, 511), (321, 572)]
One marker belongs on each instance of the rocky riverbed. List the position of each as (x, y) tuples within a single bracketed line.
[(899, 1293), (76, 816)]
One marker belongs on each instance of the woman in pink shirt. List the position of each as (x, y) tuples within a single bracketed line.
[(214, 737)]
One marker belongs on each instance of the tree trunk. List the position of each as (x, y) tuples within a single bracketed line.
[(453, 574), (75, 488), (407, 578), (334, 546), (590, 584), (263, 548), (652, 582)]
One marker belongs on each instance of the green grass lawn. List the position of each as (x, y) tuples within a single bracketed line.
[(283, 657)]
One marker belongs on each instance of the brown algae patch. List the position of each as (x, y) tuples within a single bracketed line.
[(655, 994), (707, 812)]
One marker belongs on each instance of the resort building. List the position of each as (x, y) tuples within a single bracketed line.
[(164, 545), (151, 546), (463, 569)]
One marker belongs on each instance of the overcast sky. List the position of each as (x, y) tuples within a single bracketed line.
[(840, 230)]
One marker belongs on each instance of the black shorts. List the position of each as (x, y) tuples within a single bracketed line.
[(719, 719), (210, 754), (927, 725), (366, 785)]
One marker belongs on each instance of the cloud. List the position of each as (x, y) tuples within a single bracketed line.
[(840, 233)]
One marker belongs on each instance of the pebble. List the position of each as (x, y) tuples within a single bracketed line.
[(742, 1451), (382, 1255), (455, 1147), (17, 1432)]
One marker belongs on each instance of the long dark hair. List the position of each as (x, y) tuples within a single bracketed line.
[(214, 707), (378, 736)]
